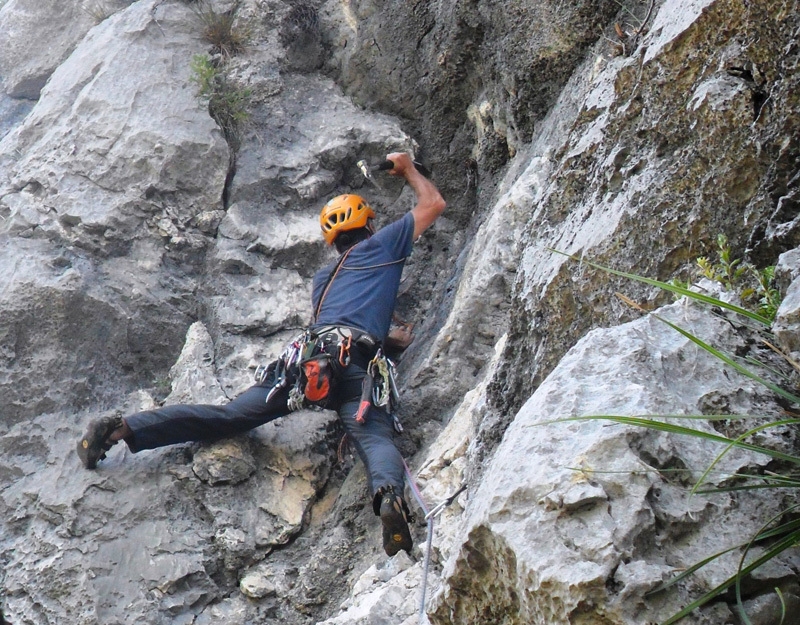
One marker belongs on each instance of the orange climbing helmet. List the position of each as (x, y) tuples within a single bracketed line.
[(344, 212)]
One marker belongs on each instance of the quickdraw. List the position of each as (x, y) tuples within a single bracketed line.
[(379, 389), (281, 368), (286, 369)]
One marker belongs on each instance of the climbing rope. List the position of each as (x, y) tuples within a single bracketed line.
[(429, 516)]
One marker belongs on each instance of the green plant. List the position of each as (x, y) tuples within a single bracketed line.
[(162, 386), (754, 286), (223, 30), (227, 103), (782, 531), (769, 298), (684, 284), (728, 272)]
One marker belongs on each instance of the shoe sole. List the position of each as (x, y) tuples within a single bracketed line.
[(91, 448), (396, 535)]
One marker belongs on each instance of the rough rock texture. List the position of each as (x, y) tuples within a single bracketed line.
[(91, 194), (691, 134), (144, 261), (603, 515), (25, 68)]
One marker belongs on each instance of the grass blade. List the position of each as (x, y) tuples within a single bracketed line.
[(781, 530), (730, 361), (783, 605), (794, 536), (672, 288), (740, 439), (777, 549), (730, 489), (695, 567), (677, 429)]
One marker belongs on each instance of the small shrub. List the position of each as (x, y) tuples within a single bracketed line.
[(728, 272), (303, 18), (227, 104), (97, 10), (769, 298), (755, 287), (627, 34)]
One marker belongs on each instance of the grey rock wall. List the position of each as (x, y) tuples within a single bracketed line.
[(691, 135), (25, 68), (143, 262), (603, 516)]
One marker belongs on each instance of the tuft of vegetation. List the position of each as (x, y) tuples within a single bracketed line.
[(303, 18), (227, 103), (754, 287), (727, 271), (227, 34), (629, 30), (781, 532), (768, 296), (97, 10)]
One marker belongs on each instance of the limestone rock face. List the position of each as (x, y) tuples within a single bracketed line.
[(602, 506), (25, 68), (501, 65), (147, 257), (627, 161), (94, 142), (84, 228)]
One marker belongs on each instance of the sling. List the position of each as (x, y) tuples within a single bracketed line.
[(329, 282)]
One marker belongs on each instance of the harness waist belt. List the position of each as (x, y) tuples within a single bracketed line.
[(364, 340)]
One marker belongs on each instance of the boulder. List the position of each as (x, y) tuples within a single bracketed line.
[(25, 68), (579, 519)]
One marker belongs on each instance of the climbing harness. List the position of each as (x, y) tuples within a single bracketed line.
[(430, 515), (313, 363), (314, 360), (323, 357)]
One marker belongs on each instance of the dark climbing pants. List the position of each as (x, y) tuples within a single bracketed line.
[(201, 422)]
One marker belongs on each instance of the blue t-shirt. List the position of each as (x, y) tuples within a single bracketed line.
[(364, 291)]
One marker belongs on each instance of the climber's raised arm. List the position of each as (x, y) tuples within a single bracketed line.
[(430, 203)]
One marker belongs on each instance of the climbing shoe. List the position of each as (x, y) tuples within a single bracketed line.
[(394, 518), (95, 442)]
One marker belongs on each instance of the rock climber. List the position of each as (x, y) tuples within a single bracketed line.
[(331, 365)]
